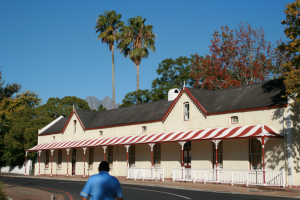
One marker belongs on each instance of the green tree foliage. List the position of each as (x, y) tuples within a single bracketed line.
[(56, 107), (6, 93), (108, 26), (101, 108), (19, 112), (172, 74), (136, 97), (292, 47), (136, 39)]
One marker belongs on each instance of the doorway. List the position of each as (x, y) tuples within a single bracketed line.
[(187, 159), (73, 161)]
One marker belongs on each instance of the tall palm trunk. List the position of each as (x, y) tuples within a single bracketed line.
[(137, 77), (113, 74)]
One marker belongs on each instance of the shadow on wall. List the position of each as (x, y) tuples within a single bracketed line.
[(278, 152)]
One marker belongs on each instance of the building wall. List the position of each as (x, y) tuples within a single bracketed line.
[(236, 151)]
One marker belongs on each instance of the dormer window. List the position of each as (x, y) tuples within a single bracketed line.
[(100, 133), (74, 129), (186, 111), (144, 128), (234, 120)]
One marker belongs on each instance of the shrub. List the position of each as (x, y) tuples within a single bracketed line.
[(2, 195)]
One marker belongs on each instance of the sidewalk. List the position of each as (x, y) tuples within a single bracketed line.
[(209, 187), (19, 192)]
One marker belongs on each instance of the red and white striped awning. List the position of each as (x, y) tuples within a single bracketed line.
[(254, 131)]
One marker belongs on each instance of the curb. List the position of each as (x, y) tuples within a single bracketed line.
[(154, 185)]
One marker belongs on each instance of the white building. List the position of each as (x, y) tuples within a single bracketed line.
[(253, 127)]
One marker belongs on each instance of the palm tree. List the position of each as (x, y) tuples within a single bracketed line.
[(136, 39), (108, 26)]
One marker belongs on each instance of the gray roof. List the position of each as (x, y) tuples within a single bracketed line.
[(146, 112), (256, 95), (57, 127), (263, 94), (132, 114)]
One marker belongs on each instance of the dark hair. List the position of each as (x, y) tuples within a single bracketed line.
[(104, 166)]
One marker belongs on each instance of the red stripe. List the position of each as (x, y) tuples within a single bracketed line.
[(196, 134), (168, 135), (259, 131), (185, 135), (269, 130), (119, 139), (220, 132), (176, 136), (140, 138), (208, 133), (244, 132), (233, 131)]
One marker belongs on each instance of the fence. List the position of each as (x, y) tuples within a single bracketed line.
[(146, 173), (247, 177)]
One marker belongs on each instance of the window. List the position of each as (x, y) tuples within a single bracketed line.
[(234, 120), (255, 154), (144, 128), (110, 156), (157, 155), (91, 158), (74, 130), (59, 161), (53, 138), (186, 111), (100, 133), (220, 155), (47, 158), (132, 156)]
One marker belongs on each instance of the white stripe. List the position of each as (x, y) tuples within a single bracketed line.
[(239, 131)]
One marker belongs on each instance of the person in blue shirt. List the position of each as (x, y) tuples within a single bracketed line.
[(102, 186)]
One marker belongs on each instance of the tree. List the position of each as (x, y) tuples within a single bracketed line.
[(173, 74), (237, 57), (18, 111), (108, 26), (101, 108), (292, 66), (136, 97), (136, 39), (56, 107), (6, 93)]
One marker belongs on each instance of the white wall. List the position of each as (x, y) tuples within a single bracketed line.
[(17, 169)]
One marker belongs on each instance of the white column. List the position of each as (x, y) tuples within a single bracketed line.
[(51, 160), (84, 149), (68, 161), (104, 148), (127, 147), (40, 152)]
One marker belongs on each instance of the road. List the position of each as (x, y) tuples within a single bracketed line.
[(133, 192)]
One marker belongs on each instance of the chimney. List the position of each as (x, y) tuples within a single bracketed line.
[(172, 94)]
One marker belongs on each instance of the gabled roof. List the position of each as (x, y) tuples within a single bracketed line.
[(264, 95), (57, 127), (141, 113)]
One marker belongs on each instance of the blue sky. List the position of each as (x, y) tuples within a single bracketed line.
[(50, 47)]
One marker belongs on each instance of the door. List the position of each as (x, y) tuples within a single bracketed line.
[(187, 158), (74, 162)]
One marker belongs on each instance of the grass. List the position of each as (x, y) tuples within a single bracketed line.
[(2, 195)]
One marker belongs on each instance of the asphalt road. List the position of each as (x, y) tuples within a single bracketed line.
[(132, 192)]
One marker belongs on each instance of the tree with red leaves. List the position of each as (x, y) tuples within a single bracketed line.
[(237, 57)]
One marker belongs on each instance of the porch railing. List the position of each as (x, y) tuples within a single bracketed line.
[(146, 173), (247, 177)]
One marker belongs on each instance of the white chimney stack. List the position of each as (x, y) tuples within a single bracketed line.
[(172, 94)]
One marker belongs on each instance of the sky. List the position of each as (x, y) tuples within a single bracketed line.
[(51, 48)]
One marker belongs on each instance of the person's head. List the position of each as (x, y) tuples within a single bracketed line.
[(103, 166)]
